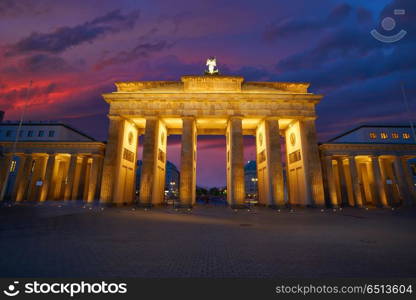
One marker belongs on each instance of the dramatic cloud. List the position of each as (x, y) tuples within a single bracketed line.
[(16, 96), (65, 37), (39, 63), (14, 8), (140, 51), (294, 26)]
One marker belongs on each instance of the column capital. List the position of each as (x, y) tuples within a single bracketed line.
[(188, 117), (151, 118), (235, 118), (271, 118), (114, 117), (306, 119), (340, 158)]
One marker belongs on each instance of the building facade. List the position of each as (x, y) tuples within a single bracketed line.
[(48, 161), (219, 105), (367, 166), (370, 165)]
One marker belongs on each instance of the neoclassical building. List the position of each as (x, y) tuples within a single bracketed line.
[(370, 165), (367, 166), (50, 161), (217, 105)]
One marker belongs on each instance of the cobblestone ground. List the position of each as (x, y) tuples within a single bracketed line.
[(68, 240)]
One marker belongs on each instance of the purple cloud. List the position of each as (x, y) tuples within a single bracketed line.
[(65, 37)]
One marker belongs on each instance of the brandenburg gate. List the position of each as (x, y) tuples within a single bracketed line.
[(276, 113)]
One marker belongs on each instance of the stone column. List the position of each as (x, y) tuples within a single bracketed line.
[(235, 163), (331, 181), (152, 179), (187, 185), (37, 171), (5, 165), (94, 177), (269, 164), (379, 181), (22, 178), (409, 178), (47, 181), (355, 178), (345, 192), (110, 160), (312, 163), (401, 182), (70, 177), (80, 180)]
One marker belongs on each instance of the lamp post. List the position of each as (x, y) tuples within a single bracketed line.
[(171, 190), (9, 167), (254, 180)]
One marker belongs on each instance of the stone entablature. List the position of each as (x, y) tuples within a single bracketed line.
[(130, 107), (342, 149), (96, 148), (212, 84)]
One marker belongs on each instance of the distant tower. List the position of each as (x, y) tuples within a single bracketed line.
[(1, 116)]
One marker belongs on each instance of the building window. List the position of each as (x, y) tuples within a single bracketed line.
[(8, 133), (30, 133), (51, 133), (413, 168), (21, 133), (384, 135), (13, 166), (395, 135), (373, 135), (41, 133), (406, 135)]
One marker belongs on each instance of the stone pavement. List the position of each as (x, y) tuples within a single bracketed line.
[(68, 240)]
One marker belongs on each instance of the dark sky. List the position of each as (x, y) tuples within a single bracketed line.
[(74, 51)]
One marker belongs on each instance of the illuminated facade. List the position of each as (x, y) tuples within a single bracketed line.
[(367, 166), (370, 166), (218, 105), (51, 161)]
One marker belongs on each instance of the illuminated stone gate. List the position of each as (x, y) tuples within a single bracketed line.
[(213, 105)]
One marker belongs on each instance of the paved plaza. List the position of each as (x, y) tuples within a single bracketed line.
[(70, 240)]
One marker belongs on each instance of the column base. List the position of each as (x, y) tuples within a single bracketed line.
[(276, 206), (239, 206), (382, 206), (182, 205), (145, 205)]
